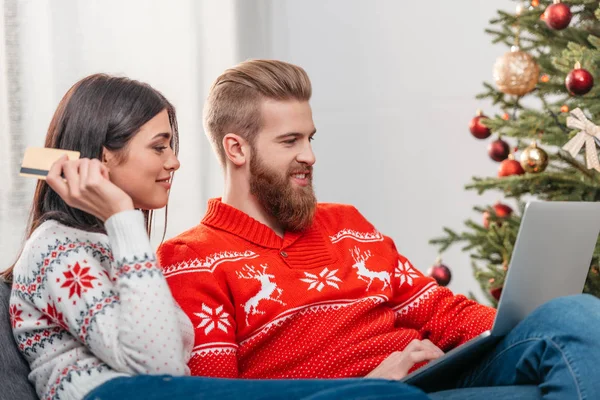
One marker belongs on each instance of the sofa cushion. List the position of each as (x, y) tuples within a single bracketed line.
[(13, 367)]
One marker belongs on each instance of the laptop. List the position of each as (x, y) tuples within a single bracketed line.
[(551, 258)]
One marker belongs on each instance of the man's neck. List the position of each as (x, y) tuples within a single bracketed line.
[(238, 195)]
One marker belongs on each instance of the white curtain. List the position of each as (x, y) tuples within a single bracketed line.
[(179, 47), (14, 191)]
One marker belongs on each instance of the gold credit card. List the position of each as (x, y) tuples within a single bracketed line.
[(38, 160)]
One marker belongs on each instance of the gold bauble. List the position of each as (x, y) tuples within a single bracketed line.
[(534, 159), (516, 72)]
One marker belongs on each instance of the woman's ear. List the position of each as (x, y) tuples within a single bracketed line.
[(107, 156), (236, 149)]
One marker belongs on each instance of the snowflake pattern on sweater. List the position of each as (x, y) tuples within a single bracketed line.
[(332, 301), (88, 307)]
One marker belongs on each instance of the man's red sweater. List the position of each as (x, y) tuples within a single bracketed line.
[(332, 301)]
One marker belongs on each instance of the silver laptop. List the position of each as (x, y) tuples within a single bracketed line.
[(551, 258)]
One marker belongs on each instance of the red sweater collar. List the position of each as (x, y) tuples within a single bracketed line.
[(225, 217)]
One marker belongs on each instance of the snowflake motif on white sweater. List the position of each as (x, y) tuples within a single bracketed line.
[(81, 318)]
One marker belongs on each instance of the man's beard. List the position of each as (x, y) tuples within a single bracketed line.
[(292, 207)]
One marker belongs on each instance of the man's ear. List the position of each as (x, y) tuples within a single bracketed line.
[(236, 149)]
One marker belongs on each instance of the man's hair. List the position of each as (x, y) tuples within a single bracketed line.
[(234, 100)]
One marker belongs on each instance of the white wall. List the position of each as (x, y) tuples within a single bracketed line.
[(394, 89)]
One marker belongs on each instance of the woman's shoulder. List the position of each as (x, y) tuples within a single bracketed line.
[(53, 239), (54, 232)]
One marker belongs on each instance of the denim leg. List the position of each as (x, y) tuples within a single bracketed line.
[(148, 387), (521, 392), (557, 347)]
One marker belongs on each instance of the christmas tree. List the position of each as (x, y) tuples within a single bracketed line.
[(549, 107)]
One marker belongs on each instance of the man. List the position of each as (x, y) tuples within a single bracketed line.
[(279, 286)]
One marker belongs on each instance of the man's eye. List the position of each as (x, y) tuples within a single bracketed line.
[(291, 141)]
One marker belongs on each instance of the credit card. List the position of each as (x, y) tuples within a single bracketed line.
[(38, 160)]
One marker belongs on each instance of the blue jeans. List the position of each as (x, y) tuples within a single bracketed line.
[(148, 387), (556, 348)]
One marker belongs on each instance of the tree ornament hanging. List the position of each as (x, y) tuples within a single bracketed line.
[(496, 293), (588, 131), (498, 150), (501, 211), (534, 159), (557, 16), (440, 273), (510, 167), (516, 72), (479, 130), (579, 81)]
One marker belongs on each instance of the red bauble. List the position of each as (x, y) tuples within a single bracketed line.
[(440, 273), (500, 210), (498, 150), (496, 293), (510, 167), (557, 16), (579, 81), (479, 130)]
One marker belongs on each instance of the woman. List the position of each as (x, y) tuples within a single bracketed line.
[(90, 308)]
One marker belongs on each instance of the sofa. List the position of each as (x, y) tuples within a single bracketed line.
[(13, 367)]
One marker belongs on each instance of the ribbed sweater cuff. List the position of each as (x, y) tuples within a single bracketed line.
[(128, 236)]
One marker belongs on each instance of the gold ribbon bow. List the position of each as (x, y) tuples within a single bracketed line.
[(588, 130)]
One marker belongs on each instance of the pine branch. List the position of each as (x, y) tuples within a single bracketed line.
[(557, 186), (566, 157)]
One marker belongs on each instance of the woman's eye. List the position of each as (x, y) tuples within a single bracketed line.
[(160, 149)]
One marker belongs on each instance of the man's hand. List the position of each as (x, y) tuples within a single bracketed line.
[(397, 365)]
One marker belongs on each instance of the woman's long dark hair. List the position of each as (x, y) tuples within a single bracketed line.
[(99, 111)]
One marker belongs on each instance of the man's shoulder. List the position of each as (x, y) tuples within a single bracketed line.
[(336, 208), (200, 248), (341, 215), (191, 238)]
